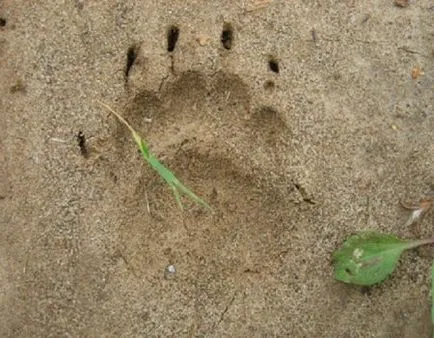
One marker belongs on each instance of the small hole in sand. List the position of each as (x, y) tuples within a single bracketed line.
[(2, 22), (172, 38), (273, 65), (269, 86), (227, 36), (131, 58)]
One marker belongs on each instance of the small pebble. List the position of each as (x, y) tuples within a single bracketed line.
[(171, 269), (401, 3), (170, 272)]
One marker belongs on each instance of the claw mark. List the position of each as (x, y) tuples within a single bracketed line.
[(131, 58), (227, 36), (81, 141), (172, 38), (273, 65)]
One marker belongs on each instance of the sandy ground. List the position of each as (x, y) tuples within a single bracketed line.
[(300, 122)]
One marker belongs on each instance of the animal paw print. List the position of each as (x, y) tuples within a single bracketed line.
[(207, 126), (194, 100)]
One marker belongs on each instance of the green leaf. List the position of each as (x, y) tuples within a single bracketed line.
[(368, 258)]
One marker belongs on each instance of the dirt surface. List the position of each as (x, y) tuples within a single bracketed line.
[(299, 122)]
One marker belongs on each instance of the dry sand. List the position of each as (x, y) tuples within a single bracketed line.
[(292, 162)]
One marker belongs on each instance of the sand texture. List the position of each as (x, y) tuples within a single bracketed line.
[(299, 122)]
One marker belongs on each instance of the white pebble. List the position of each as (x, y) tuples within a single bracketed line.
[(171, 269)]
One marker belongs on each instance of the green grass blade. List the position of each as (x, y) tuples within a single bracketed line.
[(177, 197), (170, 178), (142, 146), (192, 195)]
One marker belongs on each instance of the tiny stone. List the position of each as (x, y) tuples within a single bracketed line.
[(171, 269), (170, 272), (401, 3)]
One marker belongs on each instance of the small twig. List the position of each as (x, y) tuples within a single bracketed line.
[(258, 4), (366, 18), (417, 212), (58, 140), (314, 35), (118, 116), (226, 309), (147, 203), (408, 50)]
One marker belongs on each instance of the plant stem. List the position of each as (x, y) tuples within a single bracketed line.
[(420, 242), (118, 116)]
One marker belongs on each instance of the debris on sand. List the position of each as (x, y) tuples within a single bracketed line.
[(401, 3), (416, 72)]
